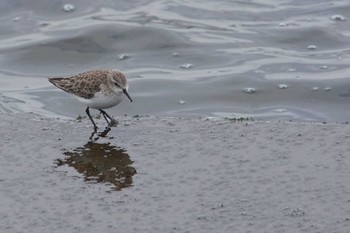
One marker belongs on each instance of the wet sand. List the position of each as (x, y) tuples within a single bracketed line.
[(173, 175)]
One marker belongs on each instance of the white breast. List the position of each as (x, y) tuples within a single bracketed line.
[(101, 101)]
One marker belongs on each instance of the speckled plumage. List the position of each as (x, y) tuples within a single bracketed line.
[(86, 84), (98, 89)]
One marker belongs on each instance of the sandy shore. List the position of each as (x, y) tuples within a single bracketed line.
[(173, 175)]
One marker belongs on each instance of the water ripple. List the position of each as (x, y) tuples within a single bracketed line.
[(227, 45)]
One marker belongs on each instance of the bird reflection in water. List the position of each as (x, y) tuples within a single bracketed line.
[(101, 162)]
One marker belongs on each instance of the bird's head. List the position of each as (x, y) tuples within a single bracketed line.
[(119, 83)]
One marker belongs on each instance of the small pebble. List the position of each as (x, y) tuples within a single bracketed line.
[(182, 102), (327, 88), (186, 66), (249, 90), (16, 19), (68, 7), (44, 24), (323, 67), (291, 70), (283, 86), (297, 213), (338, 18), (280, 110), (173, 130), (312, 47), (315, 89), (282, 24), (123, 56), (175, 54)]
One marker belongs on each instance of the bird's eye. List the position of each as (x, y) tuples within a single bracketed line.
[(117, 85)]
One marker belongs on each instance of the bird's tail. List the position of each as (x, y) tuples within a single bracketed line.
[(62, 83)]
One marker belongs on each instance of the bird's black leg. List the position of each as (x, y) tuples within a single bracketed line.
[(105, 117), (112, 121), (88, 113)]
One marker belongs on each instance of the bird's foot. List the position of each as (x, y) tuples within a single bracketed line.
[(99, 134), (104, 132), (113, 123)]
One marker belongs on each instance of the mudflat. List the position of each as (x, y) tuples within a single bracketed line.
[(173, 174)]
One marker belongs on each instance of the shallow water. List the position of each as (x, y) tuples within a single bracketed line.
[(101, 163), (182, 57)]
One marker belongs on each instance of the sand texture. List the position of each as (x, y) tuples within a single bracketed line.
[(173, 175)]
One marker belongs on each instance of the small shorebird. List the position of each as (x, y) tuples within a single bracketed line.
[(98, 89)]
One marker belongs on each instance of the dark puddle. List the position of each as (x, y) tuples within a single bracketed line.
[(101, 162)]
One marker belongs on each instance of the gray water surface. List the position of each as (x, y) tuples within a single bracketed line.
[(182, 57)]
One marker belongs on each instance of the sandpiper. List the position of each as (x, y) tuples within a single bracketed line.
[(98, 89)]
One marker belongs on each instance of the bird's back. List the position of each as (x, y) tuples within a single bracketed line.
[(84, 85)]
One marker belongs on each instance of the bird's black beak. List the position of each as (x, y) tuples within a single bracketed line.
[(127, 94)]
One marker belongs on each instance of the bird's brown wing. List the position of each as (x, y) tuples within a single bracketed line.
[(84, 85)]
